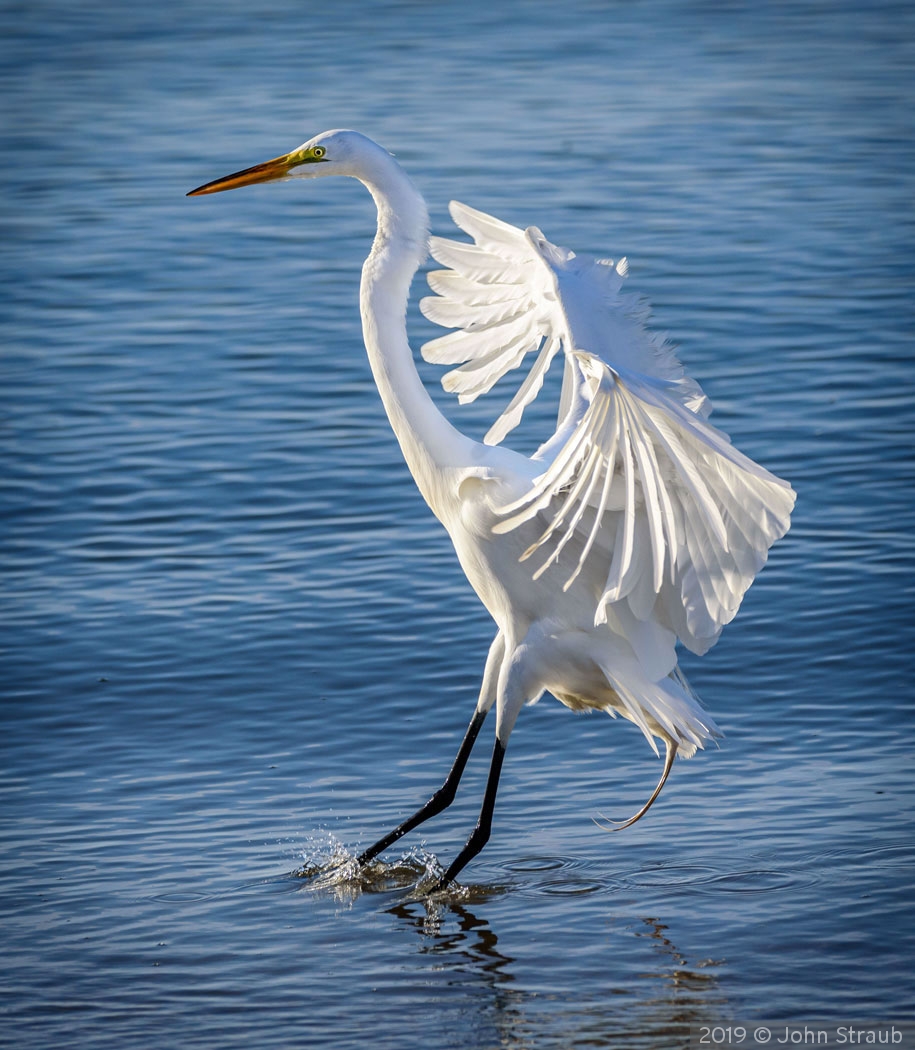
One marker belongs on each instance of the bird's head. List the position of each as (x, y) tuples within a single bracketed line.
[(330, 153)]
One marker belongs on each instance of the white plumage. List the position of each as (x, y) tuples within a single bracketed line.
[(634, 526)]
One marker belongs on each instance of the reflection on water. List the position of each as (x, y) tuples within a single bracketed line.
[(458, 941), (462, 946), (661, 1003)]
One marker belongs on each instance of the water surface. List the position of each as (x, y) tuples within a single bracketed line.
[(236, 644)]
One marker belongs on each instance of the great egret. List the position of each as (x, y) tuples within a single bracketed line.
[(635, 525)]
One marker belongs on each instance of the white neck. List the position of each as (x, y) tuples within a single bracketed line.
[(430, 444)]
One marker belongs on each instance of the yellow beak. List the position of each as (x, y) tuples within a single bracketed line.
[(266, 172)]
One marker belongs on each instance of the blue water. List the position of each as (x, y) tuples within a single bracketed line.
[(237, 646)]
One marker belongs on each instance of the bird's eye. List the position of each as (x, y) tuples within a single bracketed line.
[(318, 151)]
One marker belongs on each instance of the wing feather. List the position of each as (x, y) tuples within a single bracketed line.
[(474, 263), (475, 377), (451, 285), (647, 466), (617, 578), (609, 466), (451, 313), (684, 521), (463, 347), (511, 280), (577, 498), (665, 514), (524, 395)]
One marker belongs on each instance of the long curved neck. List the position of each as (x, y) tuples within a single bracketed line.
[(430, 444)]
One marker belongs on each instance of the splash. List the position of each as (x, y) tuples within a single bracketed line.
[(329, 867)]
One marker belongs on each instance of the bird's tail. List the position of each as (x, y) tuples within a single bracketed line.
[(667, 710)]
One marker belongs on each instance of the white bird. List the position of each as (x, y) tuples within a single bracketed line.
[(636, 525)]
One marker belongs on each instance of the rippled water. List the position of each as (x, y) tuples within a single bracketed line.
[(236, 645)]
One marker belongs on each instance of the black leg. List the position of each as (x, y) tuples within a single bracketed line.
[(439, 801), (480, 834)]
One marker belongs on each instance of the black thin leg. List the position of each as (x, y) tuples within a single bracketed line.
[(480, 834), (439, 801)]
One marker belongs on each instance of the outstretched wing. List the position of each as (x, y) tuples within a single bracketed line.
[(665, 513), (512, 294)]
